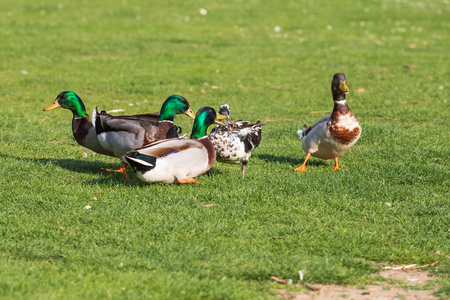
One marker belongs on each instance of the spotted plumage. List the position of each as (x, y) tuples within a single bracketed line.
[(235, 141), (177, 159), (333, 135)]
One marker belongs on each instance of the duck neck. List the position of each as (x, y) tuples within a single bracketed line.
[(198, 130), (78, 110), (166, 113), (340, 107)]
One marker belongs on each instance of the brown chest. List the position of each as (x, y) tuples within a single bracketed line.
[(345, 128)]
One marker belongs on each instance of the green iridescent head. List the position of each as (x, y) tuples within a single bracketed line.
[(205, 116), (175, 105), (69, 100)]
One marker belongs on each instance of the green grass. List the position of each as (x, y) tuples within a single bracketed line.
[(143, 241)]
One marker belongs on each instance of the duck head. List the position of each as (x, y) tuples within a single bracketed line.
[(339, 87), (175, 105), (225, 110), (205, 116), (69, 100)]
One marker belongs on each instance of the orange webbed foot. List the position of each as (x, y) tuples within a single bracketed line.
[(302, 168), (336, 167), (122, 169), (188, 180)]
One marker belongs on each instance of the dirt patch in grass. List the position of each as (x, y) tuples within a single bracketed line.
[(399, 284)]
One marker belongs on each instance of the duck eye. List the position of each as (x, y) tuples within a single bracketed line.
[(65, 96)]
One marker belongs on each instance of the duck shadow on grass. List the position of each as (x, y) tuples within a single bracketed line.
[(98, 168), (78, 165), (289, 160), (75, 165)]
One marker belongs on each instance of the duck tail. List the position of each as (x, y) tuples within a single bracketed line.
[(302, 133), (140, 162)]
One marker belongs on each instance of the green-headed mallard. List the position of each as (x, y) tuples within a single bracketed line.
[(121, 134), (177, 159), (332, 135), (234, 142), (85, 133)]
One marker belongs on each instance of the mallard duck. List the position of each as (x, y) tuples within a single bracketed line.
[(84, 131), (234, 142), (177, 159), (120, 134), (332, 135)]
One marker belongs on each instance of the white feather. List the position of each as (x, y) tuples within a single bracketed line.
[(94, 116), (140, 161)]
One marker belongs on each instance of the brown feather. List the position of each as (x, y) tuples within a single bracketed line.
[(211, 151), (341, 133), (81, 128)]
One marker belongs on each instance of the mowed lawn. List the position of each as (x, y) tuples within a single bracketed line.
[(269, 60)]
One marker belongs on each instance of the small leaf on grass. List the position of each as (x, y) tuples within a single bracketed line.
[(412, 46), (312, 287), (208, 205), (281, 280), (410, 66), (319, 112), (361, 90), (276, 237)]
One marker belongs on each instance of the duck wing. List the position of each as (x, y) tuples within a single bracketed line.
[(154, 117), (306, 130), (169, 146)]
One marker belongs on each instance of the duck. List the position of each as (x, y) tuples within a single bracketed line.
[(83, 128), (235, 141), (333, 135), (178, 159), (120, 134)]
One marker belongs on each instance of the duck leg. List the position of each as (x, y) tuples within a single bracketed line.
[(188, 180), (336, 167), (244, 164), (302, 168), (122, 169)]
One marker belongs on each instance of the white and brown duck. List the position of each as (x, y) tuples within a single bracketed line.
[(333, 135), (235, 141)]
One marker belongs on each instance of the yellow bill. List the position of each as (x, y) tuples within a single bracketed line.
[(190, 113), (54, 105), (220, 117), (343, 86)]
